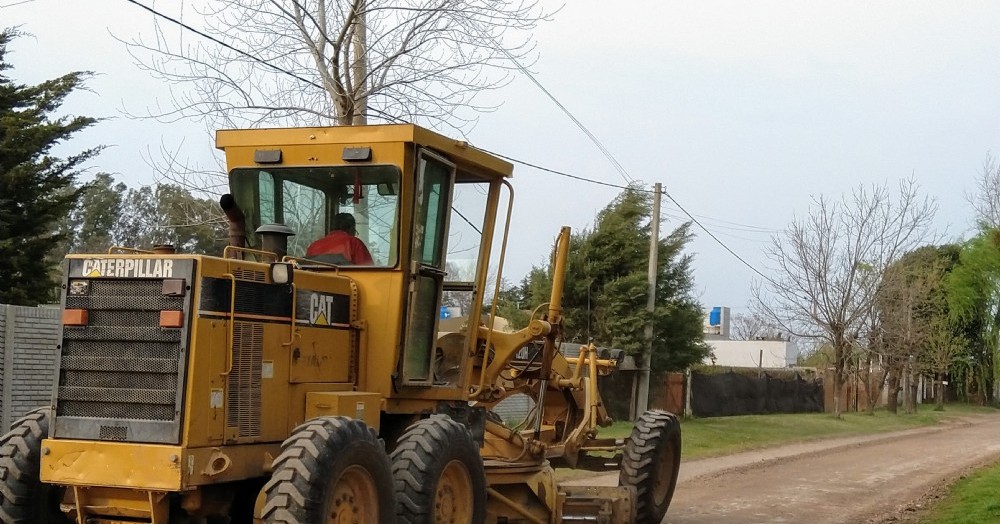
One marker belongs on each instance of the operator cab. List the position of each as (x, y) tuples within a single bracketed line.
[(425, 207)]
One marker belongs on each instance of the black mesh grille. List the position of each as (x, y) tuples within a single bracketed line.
[(111, 410), (128, 295), (114, 433), (137, 380), (122, 365), (115, 350)]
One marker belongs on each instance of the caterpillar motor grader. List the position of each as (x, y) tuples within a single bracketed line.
[(265, 386)]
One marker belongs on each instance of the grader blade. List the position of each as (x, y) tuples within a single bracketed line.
[(600, 504)]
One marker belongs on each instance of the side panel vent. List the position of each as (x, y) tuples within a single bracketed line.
[(243, 406), (249, 274)]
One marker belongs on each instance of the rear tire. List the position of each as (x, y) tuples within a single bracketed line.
[(24, 499), (650, 463), (439, 474), (331, 470)]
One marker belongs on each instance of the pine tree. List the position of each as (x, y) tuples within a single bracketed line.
[(36, 189), (604, 297)]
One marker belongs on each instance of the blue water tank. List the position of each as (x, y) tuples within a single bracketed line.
[(715, 317)]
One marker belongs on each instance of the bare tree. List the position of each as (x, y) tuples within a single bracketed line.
[(752, 326), (986, 200), (281, 62), (829, 265)]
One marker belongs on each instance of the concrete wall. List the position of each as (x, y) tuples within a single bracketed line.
[(748, 353), (29, 338)]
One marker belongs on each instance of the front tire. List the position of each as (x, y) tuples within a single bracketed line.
[(24, 499), (439, 474), (650, 462), (331, 470)]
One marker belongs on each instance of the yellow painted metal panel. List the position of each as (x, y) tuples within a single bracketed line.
[(115, 464), (205, 415), (204, 466), (297, 400), (355, 404), (458, 151)]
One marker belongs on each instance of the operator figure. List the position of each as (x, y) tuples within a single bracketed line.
[(341, 246)]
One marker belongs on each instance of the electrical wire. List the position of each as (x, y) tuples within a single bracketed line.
[(610, 157), (223, 44), (17, 3), (524, 70), (633, 187), (604, 150)]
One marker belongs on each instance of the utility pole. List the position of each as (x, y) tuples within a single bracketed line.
[(642, 397)]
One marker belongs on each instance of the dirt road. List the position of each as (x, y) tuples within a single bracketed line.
[(868, 479)]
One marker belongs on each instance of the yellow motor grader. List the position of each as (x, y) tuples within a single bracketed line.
[(274, 385)]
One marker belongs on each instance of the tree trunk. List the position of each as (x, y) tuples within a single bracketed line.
[(909, 397), (914, 391), (874, 391), (838, 387), (892, 397), (939, 405), (839, 366)]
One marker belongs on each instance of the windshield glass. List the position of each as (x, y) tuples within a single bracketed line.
[(347, 215)]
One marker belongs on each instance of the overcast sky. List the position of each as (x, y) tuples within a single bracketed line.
[(743, 110)]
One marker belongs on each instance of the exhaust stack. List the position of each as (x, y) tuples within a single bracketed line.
[(237, 221)]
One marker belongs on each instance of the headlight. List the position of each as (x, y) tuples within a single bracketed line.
[(79, 287), (281, 273)]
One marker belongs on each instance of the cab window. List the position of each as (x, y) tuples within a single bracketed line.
[(307, 199)]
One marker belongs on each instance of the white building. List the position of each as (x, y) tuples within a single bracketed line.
[(768, 353), (753, 353)]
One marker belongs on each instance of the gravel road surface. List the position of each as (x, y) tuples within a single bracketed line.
[(875, 479)]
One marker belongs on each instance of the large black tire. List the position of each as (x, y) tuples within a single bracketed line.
[(439, 474), (331, 470), (650, 462), (23, 497)]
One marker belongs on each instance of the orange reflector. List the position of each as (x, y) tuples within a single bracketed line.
[(74, 317), (171, 319)]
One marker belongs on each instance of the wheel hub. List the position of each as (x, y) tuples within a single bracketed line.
[(354, 499), (453, 498)]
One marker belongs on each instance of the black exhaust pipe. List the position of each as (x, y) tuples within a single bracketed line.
[(237, 221)]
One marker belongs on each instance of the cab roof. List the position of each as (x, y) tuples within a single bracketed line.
[(459, 151)]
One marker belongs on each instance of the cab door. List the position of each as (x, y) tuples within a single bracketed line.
[(433, 186)]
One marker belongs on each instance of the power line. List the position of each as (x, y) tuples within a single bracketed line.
[(635, 188), (610, 157), (17, 3), (607, 153), (524, 70), (223, 44), (380, 114), (742, 227), (721, 243)]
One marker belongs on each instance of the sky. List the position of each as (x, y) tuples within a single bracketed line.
[(744, 111)]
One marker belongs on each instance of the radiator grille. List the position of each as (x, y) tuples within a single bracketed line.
[(243, 406), (122, 365)]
